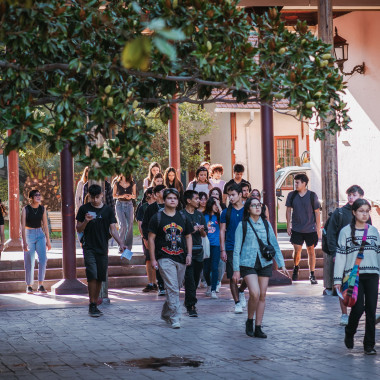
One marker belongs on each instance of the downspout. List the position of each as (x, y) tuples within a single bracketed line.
[(248, 141)]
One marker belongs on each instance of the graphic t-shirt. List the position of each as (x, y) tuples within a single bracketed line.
[(95, 237), (236, 218), (170, 234), (231, 182), (213, 228)]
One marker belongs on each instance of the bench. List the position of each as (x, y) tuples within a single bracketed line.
[(55, 219)]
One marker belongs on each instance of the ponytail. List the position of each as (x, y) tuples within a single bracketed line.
[(353, 229)]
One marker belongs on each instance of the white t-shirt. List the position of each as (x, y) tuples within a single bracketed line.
[(218, 183), (199, 187)]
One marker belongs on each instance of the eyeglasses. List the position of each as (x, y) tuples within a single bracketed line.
[(37, 195), (256, 205)]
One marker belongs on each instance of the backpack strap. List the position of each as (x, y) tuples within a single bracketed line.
[(245, 226), (266, 225), (294, 194), (312, 200), (340, 225), (194, 185), (159, 217), (228, 215), (183, 215)]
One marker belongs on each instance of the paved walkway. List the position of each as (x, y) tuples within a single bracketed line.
[(52, 337)]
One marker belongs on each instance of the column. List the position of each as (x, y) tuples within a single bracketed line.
[(174, 145)]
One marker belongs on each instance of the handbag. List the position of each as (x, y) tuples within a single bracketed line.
[(197, 250), (350, 283), (267, 250), (206, 247)]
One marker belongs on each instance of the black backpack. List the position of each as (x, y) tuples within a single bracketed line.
[(312, 199), (325, 246)]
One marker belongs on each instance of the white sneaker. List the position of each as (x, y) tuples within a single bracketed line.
[(208, 291), (344, 320), (213, 294), (218, 287), (238, 308), (176, 325), (242, 300)]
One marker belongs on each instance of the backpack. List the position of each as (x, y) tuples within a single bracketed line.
[(312, 199), (325, 246)]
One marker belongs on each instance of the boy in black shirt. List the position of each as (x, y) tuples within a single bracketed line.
[(238, 179), (170, 246), (96, 220)]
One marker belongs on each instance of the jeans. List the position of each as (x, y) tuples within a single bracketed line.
[(172, 274), (221, 270), (328, 271), (192, 276), (367, 301), (36, 240), (211, 265), (124, 214)]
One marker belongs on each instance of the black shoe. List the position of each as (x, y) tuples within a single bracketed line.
[(93, 311), (312, 279), (295, 273), (349, 340), (369, 351), (29, 290), (148, 288), (259, 333), (192, 312), (41, 289), (155, 287), (249, 327)]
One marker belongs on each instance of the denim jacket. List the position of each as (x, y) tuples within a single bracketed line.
[(251, 248)]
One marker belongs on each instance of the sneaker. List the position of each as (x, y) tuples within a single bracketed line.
[(203, 284), (29, 290), (370, 351), (155, 287), (242, 299), (238, 308), (162, 292), (148, 288), (349, 341), (295, 273), (41, 289), (213, 294), (192, 312), (176, 325), (312, 279), (327, 292), (218, 286), (93, 311), (344, 320), (208, 291)]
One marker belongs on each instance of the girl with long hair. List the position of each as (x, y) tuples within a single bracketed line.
[(158, 179), (35, 238), (359, 247), (124, 191), (249, 262), (216, 193), (171, 181), (203, 198), (256, 194), (154, 168), (201, 181), (79, 199), (3, 212), (210, 266)]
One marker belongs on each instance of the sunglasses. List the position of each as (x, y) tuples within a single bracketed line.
[(170, 191)]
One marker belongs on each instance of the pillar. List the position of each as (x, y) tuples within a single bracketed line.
[(69, 284), (174, 145)]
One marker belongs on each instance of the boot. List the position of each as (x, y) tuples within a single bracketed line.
[(295, 273), (259, 333), (249, 327)]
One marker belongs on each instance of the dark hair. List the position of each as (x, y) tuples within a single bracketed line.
[(238, 168), (201, 169), (216, 168), (355, 189), (202, 194), (208, 210), (177, 184), (302, 177), (356, 205), (247, 205), (171, 191), (94, 190), (257, 191), (188, 195), (158, 175), (235, 187), (32, 193), (158, 188), (148, 191), (151, 166), (219, 192), (128, 178), (245, 184)]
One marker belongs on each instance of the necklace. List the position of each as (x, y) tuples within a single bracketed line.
[(35, 210)]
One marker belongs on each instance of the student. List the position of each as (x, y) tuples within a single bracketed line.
[(229, 220), (170, 247), (79, 197), (203, 197), (154, 168), (201, 181), (340, 218), (249, 262), (96, 220), (256, 194), (193, 271), (150, 211), (216, 172), (171, 181), (351, 238), (245, 191), (149, 198), (211, 265), (108, 194), (35, 238), (3, 212), (205, 164), (158, 179), (303, 223), (238, 179), (124, 191), (216, 193)]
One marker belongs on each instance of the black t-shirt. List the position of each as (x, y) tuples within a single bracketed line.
[(196, 218), (149, 212), (141, 212), (231, 182), (95, 236), (170, 239)]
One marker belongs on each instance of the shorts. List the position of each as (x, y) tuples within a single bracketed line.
[(229, 264), (258, 269), (96, 265), (145, 251), (310, 238)]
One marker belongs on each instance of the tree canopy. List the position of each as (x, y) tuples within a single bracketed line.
[(82, 72)]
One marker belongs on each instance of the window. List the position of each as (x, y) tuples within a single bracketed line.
[(286, 151)]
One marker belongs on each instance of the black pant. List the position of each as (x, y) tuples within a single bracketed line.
[(160, 281), (192, 276), (367, 301)]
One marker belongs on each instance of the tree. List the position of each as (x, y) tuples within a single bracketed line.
[(99, 67)]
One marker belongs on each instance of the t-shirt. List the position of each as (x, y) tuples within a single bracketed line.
[(141, 212), (303, 217), (213, 229), (170, 239), (199, 187), (196, 218), (218, 183), (231, 182), (95, 237), (236, 218), (149, 212)]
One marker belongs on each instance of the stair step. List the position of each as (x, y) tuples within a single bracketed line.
[(303, 274)]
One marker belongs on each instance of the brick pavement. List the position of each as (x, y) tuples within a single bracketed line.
[(47, 337)]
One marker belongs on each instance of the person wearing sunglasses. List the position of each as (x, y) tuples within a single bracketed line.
[(35, 238)]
